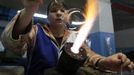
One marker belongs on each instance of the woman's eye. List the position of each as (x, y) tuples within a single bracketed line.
[(62, 10), (53, 11)]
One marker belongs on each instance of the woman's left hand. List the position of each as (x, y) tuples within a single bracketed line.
[(117, 62)]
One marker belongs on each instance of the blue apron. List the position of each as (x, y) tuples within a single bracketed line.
[(43, 56)]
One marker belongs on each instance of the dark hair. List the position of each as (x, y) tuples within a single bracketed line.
[(54, 3)]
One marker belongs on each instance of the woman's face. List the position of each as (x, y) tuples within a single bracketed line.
[(57, 16)]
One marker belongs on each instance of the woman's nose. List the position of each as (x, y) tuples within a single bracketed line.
[(59, 13)]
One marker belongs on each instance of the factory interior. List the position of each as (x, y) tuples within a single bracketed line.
[(112, 32)]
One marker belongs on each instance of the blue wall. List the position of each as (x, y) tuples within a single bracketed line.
[(99, 44), (6, 13)]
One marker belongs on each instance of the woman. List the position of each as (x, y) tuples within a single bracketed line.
[(43, 43)]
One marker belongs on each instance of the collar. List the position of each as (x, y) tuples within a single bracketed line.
[(49, 34)]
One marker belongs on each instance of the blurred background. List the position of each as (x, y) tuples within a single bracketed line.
[(113, 30)]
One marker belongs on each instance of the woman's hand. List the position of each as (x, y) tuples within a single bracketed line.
[(117, 62), (32, 5)]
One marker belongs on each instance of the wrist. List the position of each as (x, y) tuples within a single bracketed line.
[(97, 64), (93, 60), (100, 64)]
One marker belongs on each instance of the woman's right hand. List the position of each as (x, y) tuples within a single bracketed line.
[(32, 5)]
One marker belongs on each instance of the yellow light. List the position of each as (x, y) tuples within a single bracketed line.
[(90, 14)]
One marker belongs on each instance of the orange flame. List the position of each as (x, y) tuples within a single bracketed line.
[(90, 15)]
